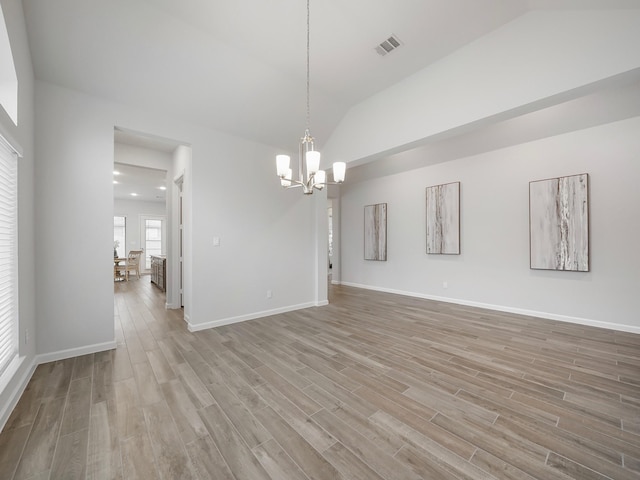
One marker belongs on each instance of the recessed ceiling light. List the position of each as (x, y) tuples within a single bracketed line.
[(115, 181), (134, 194), (116, 172), (162, 188)]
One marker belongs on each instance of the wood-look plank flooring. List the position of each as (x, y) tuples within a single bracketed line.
[(373, 386)]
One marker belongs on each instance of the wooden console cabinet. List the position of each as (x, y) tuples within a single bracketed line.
[(159, 271)]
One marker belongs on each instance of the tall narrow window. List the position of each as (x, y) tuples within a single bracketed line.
[(120, 236), (153, 235), (8, 255), (8, 77)]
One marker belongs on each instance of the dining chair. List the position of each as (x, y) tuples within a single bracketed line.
[(133, 263)]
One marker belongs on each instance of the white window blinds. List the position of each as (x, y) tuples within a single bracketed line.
[(8, 255)]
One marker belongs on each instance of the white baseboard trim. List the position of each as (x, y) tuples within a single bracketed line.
[(251, 316), (74, 352), (14, 397), (501, 308), (322, 303), (171, 306)]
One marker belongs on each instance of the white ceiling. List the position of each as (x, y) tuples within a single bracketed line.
[(239, 66), (144, 182), (136, 139)]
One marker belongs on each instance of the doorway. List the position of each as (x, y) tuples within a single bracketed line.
[(140, 210), (159, 224)]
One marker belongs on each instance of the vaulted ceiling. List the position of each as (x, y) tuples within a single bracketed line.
[(239, 66)]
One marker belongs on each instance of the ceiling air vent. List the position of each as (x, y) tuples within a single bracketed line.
[(388, 46)]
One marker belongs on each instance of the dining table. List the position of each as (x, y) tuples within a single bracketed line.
[(117, 274)]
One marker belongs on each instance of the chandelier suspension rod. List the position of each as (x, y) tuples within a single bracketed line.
[(311, 177), (308, 74)]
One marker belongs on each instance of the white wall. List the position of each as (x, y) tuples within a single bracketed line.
[(75, 157), (22, 136), (493, 269), (233, 194), (267, 235), (538, 59)]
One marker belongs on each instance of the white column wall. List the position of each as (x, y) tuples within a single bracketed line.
[(267, 236), (74, 202), (334, 198), (321, 247), (493, 269)]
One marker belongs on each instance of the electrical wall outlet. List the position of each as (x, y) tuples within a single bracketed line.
[(26, 336), (269, 294)]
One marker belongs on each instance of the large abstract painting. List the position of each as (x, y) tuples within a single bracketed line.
[(443, 219), (375, 232), (559, 223)]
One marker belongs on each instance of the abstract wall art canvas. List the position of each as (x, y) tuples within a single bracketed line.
[(559, 223), (443, 219), (375, 232)]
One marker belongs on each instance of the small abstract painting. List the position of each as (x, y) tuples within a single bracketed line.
[(559, 223), (375, 232), (443, 219)]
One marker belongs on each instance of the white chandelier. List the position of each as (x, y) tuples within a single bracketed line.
[(309, 174)]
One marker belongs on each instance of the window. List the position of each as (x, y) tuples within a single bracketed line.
[(153, 236), (8, 77), (120, 236), (8, 255)]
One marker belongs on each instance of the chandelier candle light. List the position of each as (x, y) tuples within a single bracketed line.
[(309, 174)]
